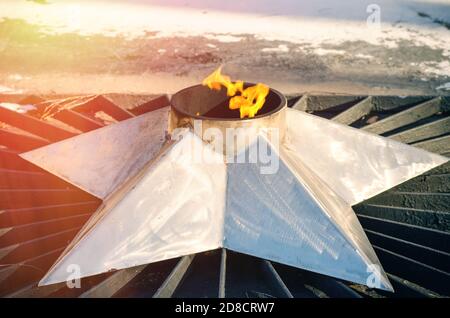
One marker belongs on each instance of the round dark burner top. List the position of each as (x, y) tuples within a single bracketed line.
[(200, 102)]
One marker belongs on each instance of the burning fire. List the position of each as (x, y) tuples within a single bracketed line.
[(250, 100)]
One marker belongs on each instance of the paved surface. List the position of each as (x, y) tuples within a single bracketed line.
[(160, 46)]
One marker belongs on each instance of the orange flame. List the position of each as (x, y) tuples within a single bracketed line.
[(250, 100)]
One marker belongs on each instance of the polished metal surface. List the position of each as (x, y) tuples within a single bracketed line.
[(174, 209), (101, 160), (179, 207), (300, 215), (356, 164), (292, 218)]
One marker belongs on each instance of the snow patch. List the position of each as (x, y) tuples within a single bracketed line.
[(320, 51), (444, 87), (17, 108), (437, 69), (280, 48), (18, 77), (225, 38), (364, 56), (9, 90), (321, 21)]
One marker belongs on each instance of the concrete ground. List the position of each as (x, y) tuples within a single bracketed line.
[(144, 46)]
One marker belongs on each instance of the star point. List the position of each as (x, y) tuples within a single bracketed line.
[(161, 204)]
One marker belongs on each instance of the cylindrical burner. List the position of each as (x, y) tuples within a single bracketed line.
[(200, 106)]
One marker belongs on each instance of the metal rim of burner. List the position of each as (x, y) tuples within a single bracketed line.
[(188, 103)]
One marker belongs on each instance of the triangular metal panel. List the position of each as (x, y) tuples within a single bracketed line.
[(101, 160), (175, 208), (356, 164), (285, 218)]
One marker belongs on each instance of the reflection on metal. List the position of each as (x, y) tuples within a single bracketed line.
[(357, 165), (291, 217), (174, 209), (101, 160), (300, 216), (193, 106)]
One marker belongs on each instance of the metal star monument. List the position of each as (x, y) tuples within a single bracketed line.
[(160, 204)]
